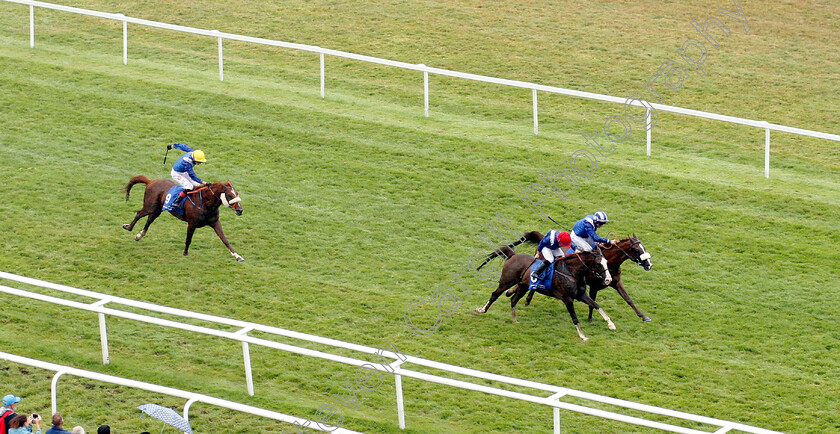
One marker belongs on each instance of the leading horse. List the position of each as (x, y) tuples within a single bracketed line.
[(567, 281), (628, 248), (201, 207)]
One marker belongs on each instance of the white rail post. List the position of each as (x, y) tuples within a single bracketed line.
[(400, 403), (425, 89), (187, 409), (54, 391), (766, 152), (31, 26), (648, 127), (221, 59), (103, 334), (536, 116), (555, 398), (322, 76), (246, 355), (125, 39)]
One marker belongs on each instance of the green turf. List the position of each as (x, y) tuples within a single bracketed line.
[(357, 204)]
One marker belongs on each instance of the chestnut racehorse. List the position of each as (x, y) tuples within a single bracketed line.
[(201, 207)]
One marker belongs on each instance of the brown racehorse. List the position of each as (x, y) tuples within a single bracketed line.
[(628, 248), (567, 282), (201, 208)]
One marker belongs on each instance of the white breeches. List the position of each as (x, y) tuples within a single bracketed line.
[(183, 179), (550, 255), (584, 244)]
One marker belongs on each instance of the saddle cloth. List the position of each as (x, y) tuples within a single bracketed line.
[(542, 282), (171, 196)]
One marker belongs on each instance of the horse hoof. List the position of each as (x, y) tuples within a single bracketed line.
[(239, 258), (527, 303), (611, 326), (645, 318), (479, 310), (584, 339), (137, 237), (126, 227)]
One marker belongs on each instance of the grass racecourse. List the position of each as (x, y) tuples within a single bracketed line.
[(357, 204)]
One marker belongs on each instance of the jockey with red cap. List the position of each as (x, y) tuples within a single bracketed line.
[(551, 247)]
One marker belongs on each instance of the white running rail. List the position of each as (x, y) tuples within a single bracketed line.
[(396, 368), (189, 396), (426, 70)]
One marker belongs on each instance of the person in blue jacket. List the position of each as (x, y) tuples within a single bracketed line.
[(583, 233), (551, 248), (182, 171)]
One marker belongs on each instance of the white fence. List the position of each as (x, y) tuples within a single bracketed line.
[(189, 396), (766, 126), (396, 368)]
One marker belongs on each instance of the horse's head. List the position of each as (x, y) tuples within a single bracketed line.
[(638, 253), (230, 198), (601, 265)]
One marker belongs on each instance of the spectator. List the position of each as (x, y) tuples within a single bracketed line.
[(7, 412), (20, 424), (57, 424), (103, 429), (77, 430)]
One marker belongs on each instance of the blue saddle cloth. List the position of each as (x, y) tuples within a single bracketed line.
[(171, 196), (543, 281)]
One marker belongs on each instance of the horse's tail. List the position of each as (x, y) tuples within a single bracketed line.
[(135, 180), (506, 251), (533, 237)]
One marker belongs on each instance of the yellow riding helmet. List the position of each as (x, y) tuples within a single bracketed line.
[(198, 155)]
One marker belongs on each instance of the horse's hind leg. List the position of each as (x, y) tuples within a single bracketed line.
[(149, 221), (520, 292), (140, 214), (502, 286)]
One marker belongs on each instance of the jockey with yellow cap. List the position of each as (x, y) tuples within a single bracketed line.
[(182, 171)]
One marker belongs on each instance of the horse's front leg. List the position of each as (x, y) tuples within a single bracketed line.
[(190, 231), (571, 308), (592, 294), (217, 226), (592, 304), (619, 286)]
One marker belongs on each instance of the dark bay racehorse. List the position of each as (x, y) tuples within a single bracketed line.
[(201, 207), (567, 283), (628, 248)]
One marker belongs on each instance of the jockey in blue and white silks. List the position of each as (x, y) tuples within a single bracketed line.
[(583, 233), (551, 247), (182, 171)]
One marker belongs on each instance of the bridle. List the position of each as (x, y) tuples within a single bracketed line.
[(230, 203), (639, 261)]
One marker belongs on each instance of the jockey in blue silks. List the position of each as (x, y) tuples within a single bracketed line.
[(551, 247), (583, 232), (182, 171)]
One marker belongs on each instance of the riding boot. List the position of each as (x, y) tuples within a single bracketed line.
[(179, 199), (540, 268)]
